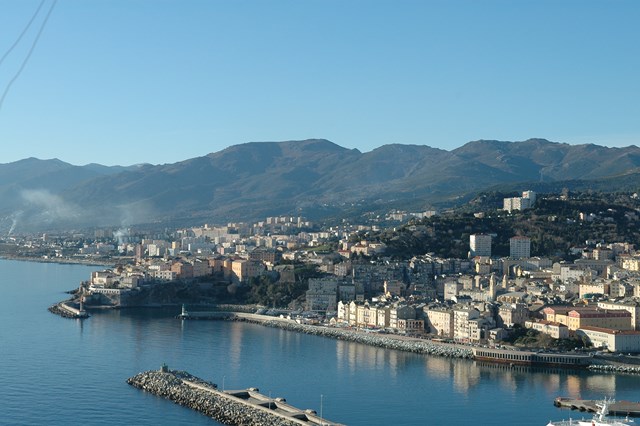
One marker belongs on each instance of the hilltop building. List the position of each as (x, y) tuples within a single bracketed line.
[(527, 201)]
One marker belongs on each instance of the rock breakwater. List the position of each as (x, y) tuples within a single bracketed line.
[(614, 368), (204, 397)]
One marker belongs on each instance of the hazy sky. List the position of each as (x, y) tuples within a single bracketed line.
[(158, 81)]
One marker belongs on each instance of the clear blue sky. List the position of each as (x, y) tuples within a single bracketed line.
[(158, 81)]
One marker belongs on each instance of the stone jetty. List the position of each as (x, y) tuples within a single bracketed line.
[(66, 311), (241, 408)]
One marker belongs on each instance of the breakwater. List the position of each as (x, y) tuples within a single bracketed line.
[(66, 311), (614, 368), (241, 408)]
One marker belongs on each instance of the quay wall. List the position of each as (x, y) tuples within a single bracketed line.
[(190, 391)]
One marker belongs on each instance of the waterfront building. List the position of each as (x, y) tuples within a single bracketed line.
[(322, 295), (611, 339), (579, 317), (383, 317), (461, 317), (411, 326), (400, 312), (479, 328)]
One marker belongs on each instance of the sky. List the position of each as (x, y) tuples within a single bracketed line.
[(122, 82)]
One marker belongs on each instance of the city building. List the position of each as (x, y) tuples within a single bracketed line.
[(519, 247), (612, 340), (479, 245)]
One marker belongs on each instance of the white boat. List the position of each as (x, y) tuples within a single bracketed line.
[(599, 419)]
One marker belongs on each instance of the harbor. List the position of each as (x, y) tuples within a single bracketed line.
[(233, 407)]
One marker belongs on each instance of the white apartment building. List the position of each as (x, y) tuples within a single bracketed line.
[(519, 247), (479, 245), (461, 326)]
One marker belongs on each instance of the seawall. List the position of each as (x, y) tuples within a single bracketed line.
[(242, 408)]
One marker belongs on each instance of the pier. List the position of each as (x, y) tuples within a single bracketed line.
[(239, 407), (616, 408)]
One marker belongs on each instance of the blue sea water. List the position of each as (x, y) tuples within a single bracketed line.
[(58, 371)]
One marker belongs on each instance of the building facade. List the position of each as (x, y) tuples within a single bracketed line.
[(479, 245)]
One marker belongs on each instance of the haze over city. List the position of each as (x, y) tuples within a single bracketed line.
[(123, 82)]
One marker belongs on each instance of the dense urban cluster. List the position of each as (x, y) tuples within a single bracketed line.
[(531, 299)]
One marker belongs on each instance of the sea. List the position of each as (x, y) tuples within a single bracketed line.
[(59, 371)]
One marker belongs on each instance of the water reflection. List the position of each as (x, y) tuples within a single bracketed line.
[(356, 356)]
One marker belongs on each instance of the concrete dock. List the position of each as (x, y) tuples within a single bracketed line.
[(617, 408)]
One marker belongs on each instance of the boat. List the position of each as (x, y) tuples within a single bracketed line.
[(600, 418)]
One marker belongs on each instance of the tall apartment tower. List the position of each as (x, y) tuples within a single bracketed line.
[(479, 245), (519, 247)]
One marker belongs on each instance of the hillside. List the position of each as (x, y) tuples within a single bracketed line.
[(314, 178)]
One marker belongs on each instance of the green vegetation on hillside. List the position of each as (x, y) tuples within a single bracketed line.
[(554, 225)]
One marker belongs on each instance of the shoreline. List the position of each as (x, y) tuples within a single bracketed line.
[(65, 261), (415, 345)]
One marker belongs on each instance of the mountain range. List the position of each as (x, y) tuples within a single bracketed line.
[(314, 178)]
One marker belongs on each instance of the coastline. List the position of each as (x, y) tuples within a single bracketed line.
[(386, 341), (65, 261), (414, 344)]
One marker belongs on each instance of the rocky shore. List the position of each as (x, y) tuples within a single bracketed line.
[(379, 340), (178, 386)]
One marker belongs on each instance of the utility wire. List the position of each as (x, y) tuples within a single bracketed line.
[(33, 46), (24, 31)]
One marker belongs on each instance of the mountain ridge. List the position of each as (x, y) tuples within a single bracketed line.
[(252, 180)]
